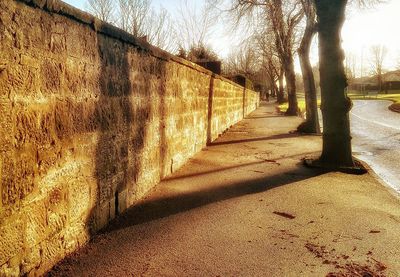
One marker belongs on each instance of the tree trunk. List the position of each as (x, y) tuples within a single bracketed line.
[(311, 125), (336, 150), (274, 88), (280, 97), (283, 28), (271, 82), (291, 86), (380, 82)]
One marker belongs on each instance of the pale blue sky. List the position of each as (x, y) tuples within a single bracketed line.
[(165, 3), (77, 3)]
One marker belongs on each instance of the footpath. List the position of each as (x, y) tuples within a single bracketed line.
[(246, 206)]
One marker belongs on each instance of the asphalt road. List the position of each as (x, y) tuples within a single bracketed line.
[(376, 138)]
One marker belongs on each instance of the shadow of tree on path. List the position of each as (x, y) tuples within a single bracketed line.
[(152, 209), (275, 137), (226, 168)]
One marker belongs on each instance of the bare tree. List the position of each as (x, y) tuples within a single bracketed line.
[(311, 125), (350, 66), (274, 73), (271, 63), (257, 57), (283, 17), (201, 53), (243, 60), (194, 25), (133, 15), (367, 3), (335, 106), (281, 94), (141, 20), (378, 53), (103, 9), (160, 30)]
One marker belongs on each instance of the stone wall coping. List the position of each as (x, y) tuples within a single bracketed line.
[(99, 26)]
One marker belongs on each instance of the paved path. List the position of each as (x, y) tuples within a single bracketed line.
[(245, 206), (376, 138)]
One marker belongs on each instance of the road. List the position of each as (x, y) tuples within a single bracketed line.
[(376, 138)]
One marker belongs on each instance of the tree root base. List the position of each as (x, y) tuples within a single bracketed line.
[(307, 128), (291, 113), (357, 169), (395, 107)]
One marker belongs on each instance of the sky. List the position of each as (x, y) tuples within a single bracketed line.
[(363, 28), (375, 26)]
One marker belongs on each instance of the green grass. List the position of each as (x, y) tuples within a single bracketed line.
[(301, 103), (283, 107), (393, 96)]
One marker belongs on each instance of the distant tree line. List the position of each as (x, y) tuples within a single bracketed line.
[(185, 35)]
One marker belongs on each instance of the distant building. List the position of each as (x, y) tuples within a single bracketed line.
[(391, 81), (214, 66), (241, 80)]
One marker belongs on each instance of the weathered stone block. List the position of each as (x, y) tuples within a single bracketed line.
[(74, 235), (47, 157), (79, 200), (57, 43), (52, 250), (11, 238), (9, 188), (51, 76), (36, 223), (7, 271), (46, 127), (31, 260), (25, 172), (101, 216), (57, 210), (20, 78), (29, 61), (122, 201)]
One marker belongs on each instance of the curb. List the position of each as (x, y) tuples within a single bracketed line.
[(395, 107), (373, 174)]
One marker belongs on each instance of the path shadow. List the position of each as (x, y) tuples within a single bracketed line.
[(149, 210), (184, 176), (280, 136), (263, 117)]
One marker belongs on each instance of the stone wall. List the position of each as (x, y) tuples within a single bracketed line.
[(91, 119)]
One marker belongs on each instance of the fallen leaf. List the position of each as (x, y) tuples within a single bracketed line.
[(286, 215)]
